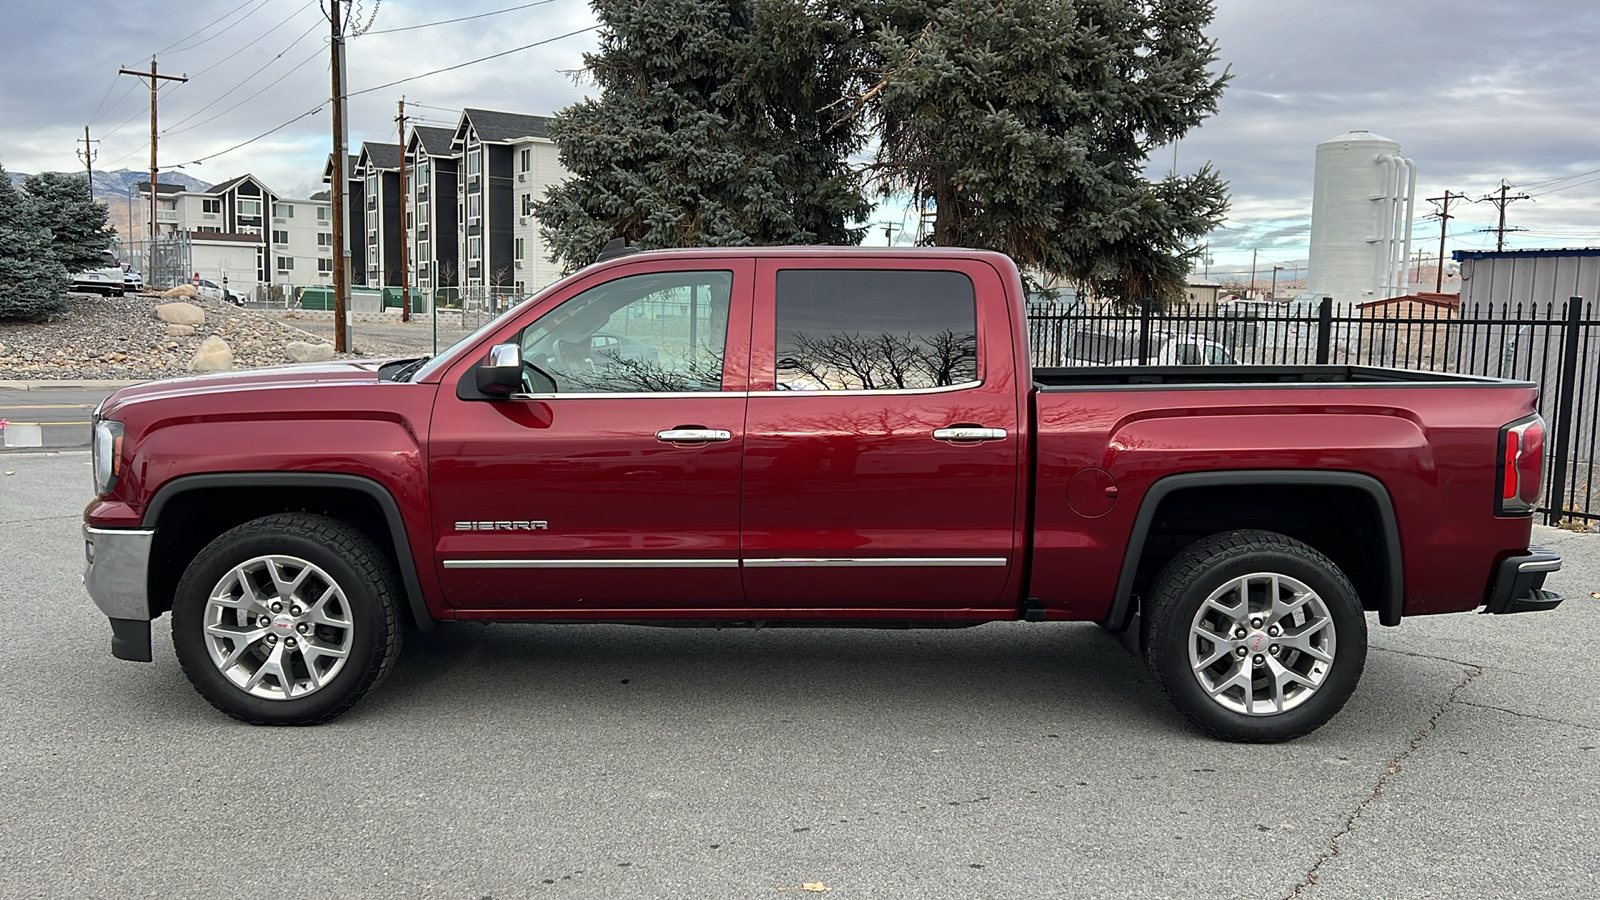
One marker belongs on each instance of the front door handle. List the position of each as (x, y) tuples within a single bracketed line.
[(693, 434), (968, 434)]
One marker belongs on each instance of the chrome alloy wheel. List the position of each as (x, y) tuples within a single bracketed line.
[(278, 627), (1261, 644)]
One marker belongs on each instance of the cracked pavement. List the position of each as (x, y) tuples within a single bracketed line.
[(1010, 760)]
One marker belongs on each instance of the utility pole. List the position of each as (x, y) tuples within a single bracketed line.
[(155, 82), (1251, 293), (341, 174), (889, 228), (1444, 226), (1502, 201), (405, 233), (87, 154)]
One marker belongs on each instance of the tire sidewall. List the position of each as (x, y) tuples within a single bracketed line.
[(188, 622), (1171, 649)]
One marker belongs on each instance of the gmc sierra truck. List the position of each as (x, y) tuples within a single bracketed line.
[(806, 437)]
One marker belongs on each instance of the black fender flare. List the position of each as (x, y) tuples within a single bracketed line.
[(1390, 605), (339, 481)]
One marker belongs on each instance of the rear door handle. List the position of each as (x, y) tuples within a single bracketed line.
[(967, 434), (693, 434)]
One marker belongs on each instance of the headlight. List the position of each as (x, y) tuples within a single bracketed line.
[(107, 454)]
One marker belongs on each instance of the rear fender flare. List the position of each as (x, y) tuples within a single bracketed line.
[(1390, 605)]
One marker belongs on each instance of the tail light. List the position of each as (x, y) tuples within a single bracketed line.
[(1520, 481)]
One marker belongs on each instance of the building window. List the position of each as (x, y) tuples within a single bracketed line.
[(474, 247), (472, 206), (527, 204), (519, 249), (422, 253), (422, 172), (283, 210), (324, 267), (285, 264), (410, 222), (211, 206), (280, 237), (210, 229), (372, 222), (474, 162), (324, 239), (249, 207), (322, 214), (527, 159)]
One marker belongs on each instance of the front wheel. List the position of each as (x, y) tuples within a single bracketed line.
[(1255, 636), (287, 620)]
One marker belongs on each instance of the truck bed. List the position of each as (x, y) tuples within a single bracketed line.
[(1052, 379)]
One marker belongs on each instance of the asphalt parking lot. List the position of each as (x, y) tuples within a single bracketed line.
[(1010, 760)]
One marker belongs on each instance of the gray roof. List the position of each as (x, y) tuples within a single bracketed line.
[(496, 127), (321, 195), (143, 187), (327, 167), (381, 156), (436, 141), (231, 183)]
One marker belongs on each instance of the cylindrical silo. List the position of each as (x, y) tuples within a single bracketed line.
[(1361, 207)]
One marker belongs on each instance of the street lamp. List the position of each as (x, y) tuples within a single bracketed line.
[(1274, 294)]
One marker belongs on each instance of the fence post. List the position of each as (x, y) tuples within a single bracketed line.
[(1564, 403), (1144, 331), (1324, 330)]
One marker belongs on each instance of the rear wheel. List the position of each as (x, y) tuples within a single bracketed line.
[(1255, 636), (286, 620)]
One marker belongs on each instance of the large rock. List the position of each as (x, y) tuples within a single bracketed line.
[(181, 292), (181, 314), (213, 356), (180, 330), (305, 351)]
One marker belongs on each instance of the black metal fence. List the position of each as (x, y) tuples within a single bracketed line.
[(1554, 346)]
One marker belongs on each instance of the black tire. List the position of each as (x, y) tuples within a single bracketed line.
[(367, 598), (1212, 564)]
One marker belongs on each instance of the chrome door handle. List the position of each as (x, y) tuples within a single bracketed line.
[(693, 435), (968, 434)]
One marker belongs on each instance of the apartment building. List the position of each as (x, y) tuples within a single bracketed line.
[(431, 223), (244, 233), (377, 167), (355, 216), (507, 159)]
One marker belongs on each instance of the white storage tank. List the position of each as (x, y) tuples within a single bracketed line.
[(1361, 207)]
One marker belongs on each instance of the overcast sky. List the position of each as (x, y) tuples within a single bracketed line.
[(1475, 91)]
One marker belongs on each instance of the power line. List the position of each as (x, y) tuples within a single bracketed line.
[(462, 19), (206, 40), (258, 38), (174, 129), (473, 62), (204, 28), (274, 130), (1556, 180)]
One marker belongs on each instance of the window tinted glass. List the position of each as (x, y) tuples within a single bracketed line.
[(660, 332), (852, 330)]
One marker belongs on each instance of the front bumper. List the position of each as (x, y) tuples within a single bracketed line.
[(117, 576), (1519, 583)]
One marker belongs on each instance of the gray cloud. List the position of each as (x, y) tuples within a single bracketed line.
[(1474, 91)]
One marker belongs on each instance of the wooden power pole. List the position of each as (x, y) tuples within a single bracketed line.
[(155, 82), (336, 196), (87, 154), (405, 234), (1502, 201), (1444, 226)]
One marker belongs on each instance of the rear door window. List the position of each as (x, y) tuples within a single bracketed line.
[(869, 330)]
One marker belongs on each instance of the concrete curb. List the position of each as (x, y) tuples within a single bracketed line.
[(75, 384)]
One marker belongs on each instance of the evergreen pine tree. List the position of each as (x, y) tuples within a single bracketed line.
[(713, 127), (32, 281), (1026, 126), (78, 225)]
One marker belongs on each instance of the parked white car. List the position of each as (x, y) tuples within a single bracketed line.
[(213, 291), (1166, 349)]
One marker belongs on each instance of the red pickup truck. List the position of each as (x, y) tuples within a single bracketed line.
[(806, 437)]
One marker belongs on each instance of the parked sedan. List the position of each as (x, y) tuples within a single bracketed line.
[(213, 291), (619, 347), (132, 282), (97, 281)]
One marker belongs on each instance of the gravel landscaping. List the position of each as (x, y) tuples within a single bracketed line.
[(119, 337)]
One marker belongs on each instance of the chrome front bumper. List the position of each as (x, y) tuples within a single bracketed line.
[(117, 578)]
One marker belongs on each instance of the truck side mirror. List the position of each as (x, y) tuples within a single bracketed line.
[(501, 373)]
